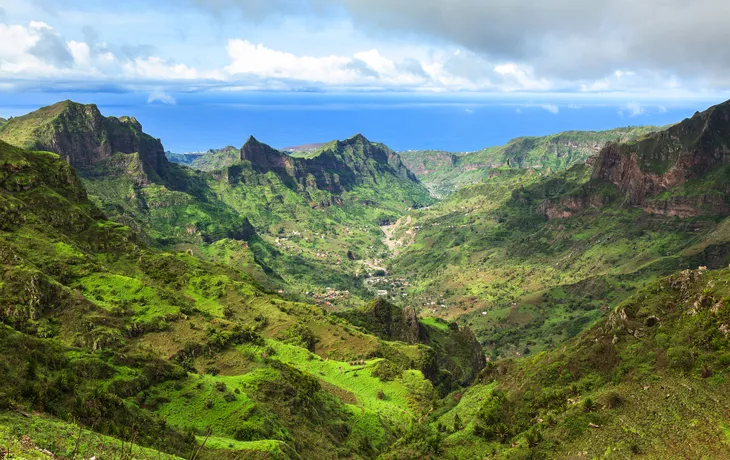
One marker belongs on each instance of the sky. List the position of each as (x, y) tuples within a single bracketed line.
[(448, 74)]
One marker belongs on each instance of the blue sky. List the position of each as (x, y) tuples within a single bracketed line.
[(642, 61)]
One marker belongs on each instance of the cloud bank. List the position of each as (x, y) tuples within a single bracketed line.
[(652, 48)]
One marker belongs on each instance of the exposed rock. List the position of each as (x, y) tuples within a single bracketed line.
[(667, 158), (336, 167), (83, 136), (569, 206)]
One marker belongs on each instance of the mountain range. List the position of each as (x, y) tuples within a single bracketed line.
[(556, 297)]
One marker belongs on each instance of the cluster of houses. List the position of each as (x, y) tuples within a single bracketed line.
[(329, 296)]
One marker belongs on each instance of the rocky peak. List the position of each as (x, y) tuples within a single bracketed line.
[(263, 156), (667, 158), (83, 136), (356, 139)]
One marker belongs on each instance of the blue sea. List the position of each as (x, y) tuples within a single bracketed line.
[(403, 121)]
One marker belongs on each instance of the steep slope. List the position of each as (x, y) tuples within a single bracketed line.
[(183, 158), (647, 381), (83, 136), (529, 259), (338, 167), (128, 173), (444, 172), (458, 355), (663, 161), (166, 351), (129, 177), (322, 212)]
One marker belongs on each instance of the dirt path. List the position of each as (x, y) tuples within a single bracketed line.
[(395, 244)]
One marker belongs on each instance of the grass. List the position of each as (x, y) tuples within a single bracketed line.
[(358, 380), (31, 437), (444, 173)]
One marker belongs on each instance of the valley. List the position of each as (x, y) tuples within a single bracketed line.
[(557, 297)]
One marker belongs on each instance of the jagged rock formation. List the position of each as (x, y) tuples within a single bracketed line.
[(83, 136), (681, 171), (336, 167), (642, 170)]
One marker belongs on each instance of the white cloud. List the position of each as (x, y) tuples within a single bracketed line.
[(156, 68), (36, 55), (258, 60), (521, 77), (161, 96), (552, 108), (632, 109)]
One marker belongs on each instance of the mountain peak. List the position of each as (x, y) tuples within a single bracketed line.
[(251, 140), (357, 138), (81, 135), (664, 159), (262, 155)]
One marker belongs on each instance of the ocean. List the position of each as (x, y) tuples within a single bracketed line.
[(403, 121)]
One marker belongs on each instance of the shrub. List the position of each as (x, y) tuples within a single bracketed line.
[(589, 405), (614, 400)]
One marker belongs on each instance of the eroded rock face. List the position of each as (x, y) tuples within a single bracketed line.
[(83, 136), (336, 168), (668, 158), (661, 162), (570, 206)]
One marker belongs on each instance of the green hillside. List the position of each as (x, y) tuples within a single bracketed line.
[(529, 258), (564, 299), (105, 336), (297, 225), (444, 172), (647, 381)]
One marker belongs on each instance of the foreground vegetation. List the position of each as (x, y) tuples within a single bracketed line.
[(151, 310)]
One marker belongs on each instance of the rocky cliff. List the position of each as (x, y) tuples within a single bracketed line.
[(666, 159), (336, 167), (83, 136), (681, 171)]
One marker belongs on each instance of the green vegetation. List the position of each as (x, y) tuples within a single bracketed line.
[(645, 381), (444, 172), (167, 351), (153, 310)]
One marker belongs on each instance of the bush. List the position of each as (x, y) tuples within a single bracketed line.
[(680, 358), (385, 371), (614, 400), (589, 405)]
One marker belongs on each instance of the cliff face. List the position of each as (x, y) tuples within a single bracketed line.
[(337, 167), (422, 163), (570, 206), (264, 157), (83, 136), (681, 171), (663, 160), (456, 348)]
